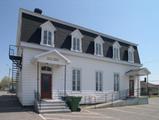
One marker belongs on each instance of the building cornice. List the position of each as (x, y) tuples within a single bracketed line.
[(77, 54)]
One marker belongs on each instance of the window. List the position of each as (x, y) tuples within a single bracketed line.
[(131, 54), (47, 34), (76, 80), (46, 68), (76, 41), (47, 38), (98, 46), (98, 49), (116, 51), (76, 44), (116, 82), (99, 81)]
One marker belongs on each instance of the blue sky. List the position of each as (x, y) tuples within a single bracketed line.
[(133, 20)]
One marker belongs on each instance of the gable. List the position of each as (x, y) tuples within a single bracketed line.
[(52, 57)]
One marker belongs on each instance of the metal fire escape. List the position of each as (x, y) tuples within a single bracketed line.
[(15, 55)]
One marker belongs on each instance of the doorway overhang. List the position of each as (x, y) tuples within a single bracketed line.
[(52, 57), (138, 72)]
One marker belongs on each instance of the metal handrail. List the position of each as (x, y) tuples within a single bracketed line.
[(15, 50)]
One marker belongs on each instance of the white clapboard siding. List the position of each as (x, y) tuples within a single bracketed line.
[(88, 68)]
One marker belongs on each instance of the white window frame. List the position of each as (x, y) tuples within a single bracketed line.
[(76, 41), (116, 51), (98, 41), (76, 70), (116, 82), (48, 27), (99, 81), (131, 54)]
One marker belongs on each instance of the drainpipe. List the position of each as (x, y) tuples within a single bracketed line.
[(65, 82), (38, 79)]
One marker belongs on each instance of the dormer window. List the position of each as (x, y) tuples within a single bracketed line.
[(47, 34), (76, 41), (76, 44), (116, 51), (131, 54), (47, 38), (98, 46)]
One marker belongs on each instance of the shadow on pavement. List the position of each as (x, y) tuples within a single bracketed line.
[(10, 103)]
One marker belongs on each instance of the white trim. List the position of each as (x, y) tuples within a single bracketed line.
[(98, 40), (117, 46), (52, 51), (115, 73), (131, 50), (42, 72), (19, 27), (75, 26), (49, 27), (84, 55), (99, 71), (75, 91), (76, 34)]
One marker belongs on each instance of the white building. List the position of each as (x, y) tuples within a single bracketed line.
[(57, 58)]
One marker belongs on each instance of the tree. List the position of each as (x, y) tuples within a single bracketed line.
[(4, 83)]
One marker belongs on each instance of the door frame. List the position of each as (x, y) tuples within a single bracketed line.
[(46, 72), (50, 92), (131, 91)]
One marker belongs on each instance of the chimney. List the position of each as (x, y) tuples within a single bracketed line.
[(38, 11)]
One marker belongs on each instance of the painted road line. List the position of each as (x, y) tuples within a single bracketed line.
[(40, 115)]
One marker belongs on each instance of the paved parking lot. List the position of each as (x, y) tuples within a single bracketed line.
[(10, 109), (138, 112)]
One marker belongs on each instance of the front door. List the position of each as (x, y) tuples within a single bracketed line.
[(46, 86), (131, 88)]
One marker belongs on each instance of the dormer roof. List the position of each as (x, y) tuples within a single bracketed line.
[(48, 25), (99, 39), (77, 33)]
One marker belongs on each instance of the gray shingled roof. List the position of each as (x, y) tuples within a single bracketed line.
[(31, 32)]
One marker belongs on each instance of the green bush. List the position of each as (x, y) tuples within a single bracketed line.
[(73, 102)]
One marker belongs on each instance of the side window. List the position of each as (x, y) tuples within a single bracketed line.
[(99, 81), (76, 80)]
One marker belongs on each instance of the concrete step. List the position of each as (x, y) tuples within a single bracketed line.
[(52, 103), (52, 107), (55, 111)]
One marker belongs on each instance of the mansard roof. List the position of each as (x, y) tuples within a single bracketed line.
[(31, 32)]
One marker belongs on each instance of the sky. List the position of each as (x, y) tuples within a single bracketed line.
[(136, 21)]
